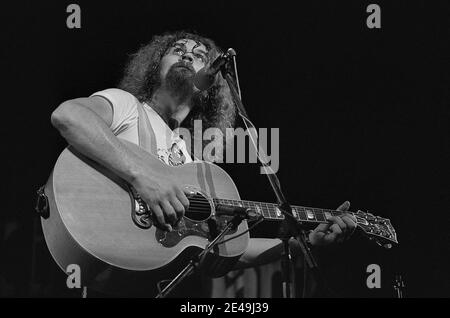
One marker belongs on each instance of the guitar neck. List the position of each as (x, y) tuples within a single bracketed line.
[(271, 211)]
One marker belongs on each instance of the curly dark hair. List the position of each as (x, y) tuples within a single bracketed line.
[(141, 77)]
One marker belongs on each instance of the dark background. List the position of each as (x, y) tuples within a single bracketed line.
[(363, 116)]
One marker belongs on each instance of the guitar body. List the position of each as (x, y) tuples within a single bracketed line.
[(93, 222)]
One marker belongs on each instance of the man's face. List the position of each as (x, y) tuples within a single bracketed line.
[(191, 53), (179, 65)]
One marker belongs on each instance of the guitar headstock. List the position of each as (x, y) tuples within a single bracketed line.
[(376, 228)]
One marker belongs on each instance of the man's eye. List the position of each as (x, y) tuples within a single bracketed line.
[(178, 50), (201, 57)]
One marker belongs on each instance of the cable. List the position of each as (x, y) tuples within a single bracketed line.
[(236, 76)]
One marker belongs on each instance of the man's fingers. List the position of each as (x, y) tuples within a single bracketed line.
[(182, 195), (323, 227), (331, 237), (169, 212), (336, 229), (337, 234), (178, 207), (351, 216), (159, 216), (338, 221), (349, 221), (351, 224), (344, 206)]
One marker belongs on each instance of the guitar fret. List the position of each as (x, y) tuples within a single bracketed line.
[(257, 206), (259, 209), (336, 213), (279, 214), (294, 212), (319, 215), (246, 204), (266, 211), (272, 211), (301, 213), (310, 214)]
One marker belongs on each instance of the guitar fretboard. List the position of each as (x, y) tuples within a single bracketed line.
[(271, 211)]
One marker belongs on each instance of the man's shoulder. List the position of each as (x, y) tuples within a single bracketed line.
[(116, 94)]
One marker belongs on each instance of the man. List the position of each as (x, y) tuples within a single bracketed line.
[(160, 77)]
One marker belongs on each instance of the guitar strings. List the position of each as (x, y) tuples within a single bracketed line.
[(268, 206), (201, 205)]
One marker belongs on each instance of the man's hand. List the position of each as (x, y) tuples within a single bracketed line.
[(339, 229), (166, 199)]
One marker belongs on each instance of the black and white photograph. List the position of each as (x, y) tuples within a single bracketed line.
[(236, 150)]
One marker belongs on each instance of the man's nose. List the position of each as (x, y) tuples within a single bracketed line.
[(187, 57)]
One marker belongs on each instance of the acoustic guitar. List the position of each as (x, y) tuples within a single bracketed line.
[(94, 219)]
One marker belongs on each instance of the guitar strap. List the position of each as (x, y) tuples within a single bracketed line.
[(147, 139)]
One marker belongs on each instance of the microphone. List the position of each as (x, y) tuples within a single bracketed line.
[(230, 210), (205, 77)]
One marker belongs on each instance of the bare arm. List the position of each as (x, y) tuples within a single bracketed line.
[(262, 251), (85, 124)]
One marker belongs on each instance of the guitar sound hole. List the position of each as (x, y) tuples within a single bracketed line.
[(199, 208)]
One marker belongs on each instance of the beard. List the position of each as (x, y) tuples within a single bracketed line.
[(179, 81)]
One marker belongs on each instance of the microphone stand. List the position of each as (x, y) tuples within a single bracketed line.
[(290, 227), (196, 260)]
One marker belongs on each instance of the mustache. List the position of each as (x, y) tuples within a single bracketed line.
[(185, 65)]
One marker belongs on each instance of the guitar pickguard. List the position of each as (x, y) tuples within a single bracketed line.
[(184, 228), (205, 225), (187, 227)]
